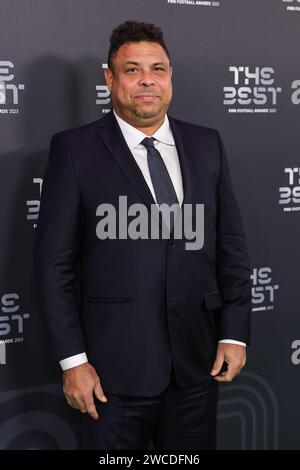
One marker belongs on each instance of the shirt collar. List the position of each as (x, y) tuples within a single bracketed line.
[(133, 136)]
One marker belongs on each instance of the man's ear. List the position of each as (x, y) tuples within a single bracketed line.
[(108, 78)]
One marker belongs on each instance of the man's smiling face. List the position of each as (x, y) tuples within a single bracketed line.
[(140, 83)]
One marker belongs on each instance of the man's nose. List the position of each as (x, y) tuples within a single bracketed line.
[(146, 79)]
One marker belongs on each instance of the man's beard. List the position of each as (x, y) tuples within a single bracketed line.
[(144, 114)]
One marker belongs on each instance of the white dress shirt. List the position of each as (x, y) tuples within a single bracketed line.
[(166, 146)]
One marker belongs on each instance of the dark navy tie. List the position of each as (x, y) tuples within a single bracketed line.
[(162, 183)]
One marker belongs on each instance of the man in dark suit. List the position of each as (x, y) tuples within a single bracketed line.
[(142, 326)]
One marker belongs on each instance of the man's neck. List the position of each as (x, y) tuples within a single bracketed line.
[(148, 130)]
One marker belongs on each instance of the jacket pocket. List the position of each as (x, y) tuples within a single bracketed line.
[(212, 300), (110, 299)]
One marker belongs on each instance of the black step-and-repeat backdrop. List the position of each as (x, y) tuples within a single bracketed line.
[(236, 68)]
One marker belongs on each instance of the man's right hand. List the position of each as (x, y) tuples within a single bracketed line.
[(79, 385)]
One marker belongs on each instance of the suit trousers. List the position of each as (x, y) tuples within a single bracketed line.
[(177, 418)]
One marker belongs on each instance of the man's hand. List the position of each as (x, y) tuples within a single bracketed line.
[(79, 384), (235, 357)]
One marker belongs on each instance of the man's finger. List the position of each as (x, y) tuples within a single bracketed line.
[(91, 409), (229, 375), (217, 364), (71, 402), (223, 378), (99, 392), (74, 405), (82, 405)]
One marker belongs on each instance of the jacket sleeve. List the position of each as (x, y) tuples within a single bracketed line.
[(233, 268), (57, 252)]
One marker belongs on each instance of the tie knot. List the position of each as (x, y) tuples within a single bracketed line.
[(148, 142)]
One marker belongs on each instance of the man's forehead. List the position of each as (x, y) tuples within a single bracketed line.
[(142, 52)]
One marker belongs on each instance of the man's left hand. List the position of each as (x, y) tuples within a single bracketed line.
[(235, 357)]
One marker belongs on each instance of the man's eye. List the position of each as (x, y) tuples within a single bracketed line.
[(132, 69), (159, 68)]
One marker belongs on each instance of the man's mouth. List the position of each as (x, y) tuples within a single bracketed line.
[(146, 96)]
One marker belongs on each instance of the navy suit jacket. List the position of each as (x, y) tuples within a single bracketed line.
[(137, 306)]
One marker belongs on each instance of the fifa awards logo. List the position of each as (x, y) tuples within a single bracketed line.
[(198, 3), (263, 290), (33, 205), (292, 5), (9, 91), (2, 354), (252, 90), (289, 195), (12, 319), (103, 95)]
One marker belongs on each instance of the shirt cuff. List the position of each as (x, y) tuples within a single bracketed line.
[(232, 341), (73, 361)]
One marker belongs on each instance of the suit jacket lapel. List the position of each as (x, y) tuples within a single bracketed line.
[(185, 159), (112, 137)]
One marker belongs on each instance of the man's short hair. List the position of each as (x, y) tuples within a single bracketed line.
[(134, 31)]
